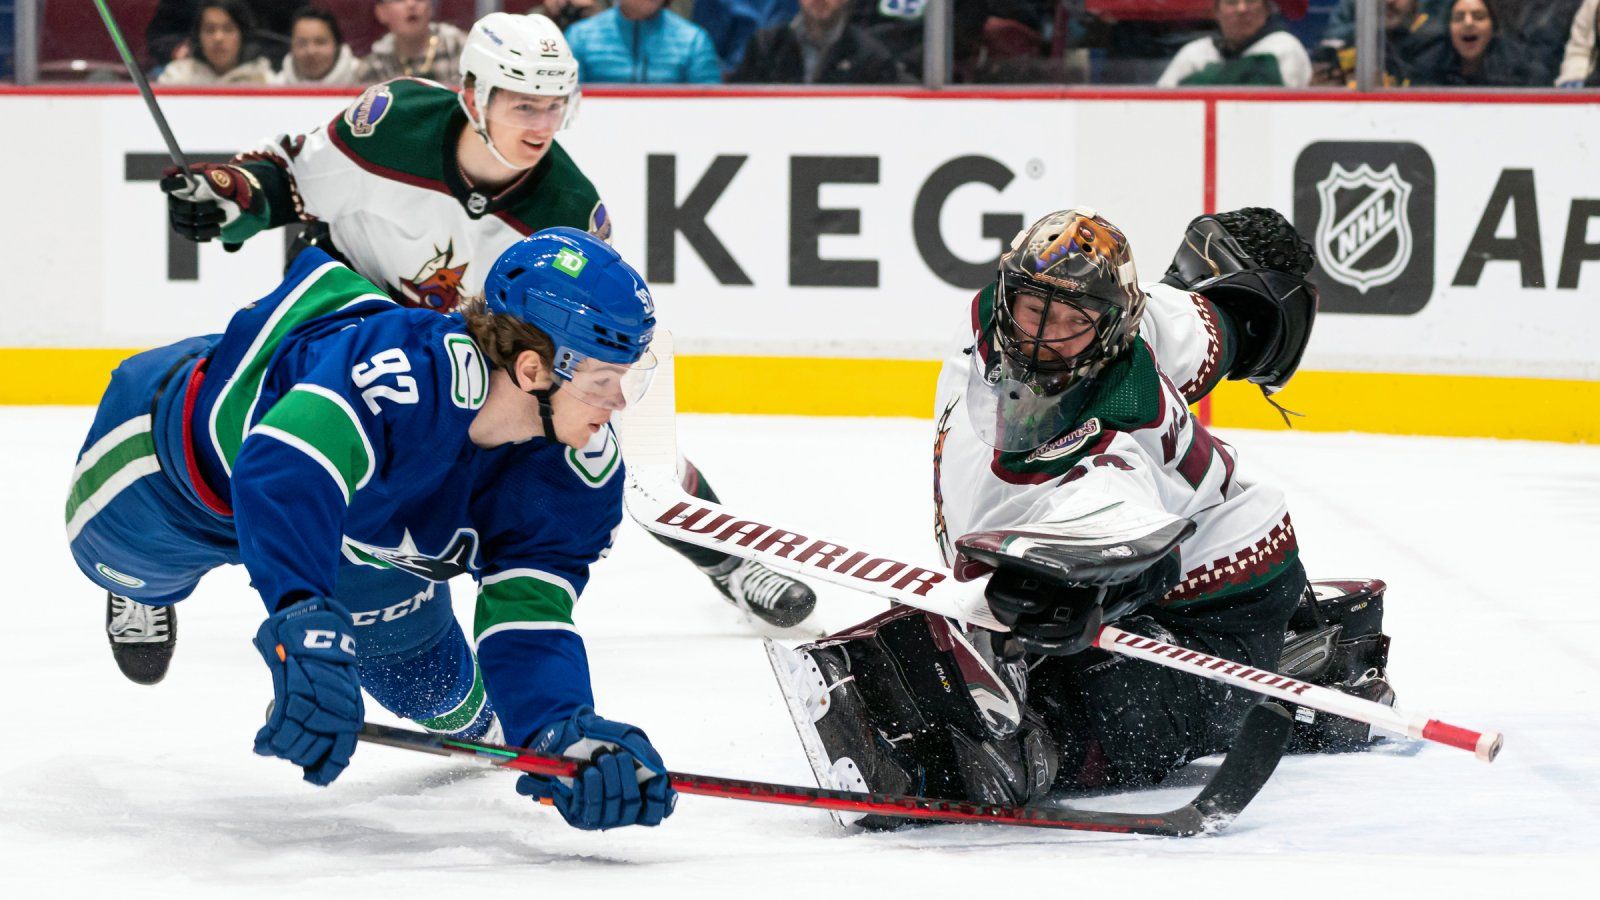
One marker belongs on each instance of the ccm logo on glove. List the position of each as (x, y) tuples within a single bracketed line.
[(323, 640)]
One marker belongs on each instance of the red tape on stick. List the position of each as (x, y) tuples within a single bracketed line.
[(1485, 746)]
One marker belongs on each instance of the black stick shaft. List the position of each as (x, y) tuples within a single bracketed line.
[(176, 152)]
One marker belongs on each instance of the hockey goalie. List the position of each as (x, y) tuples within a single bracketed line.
[(1069, 471)]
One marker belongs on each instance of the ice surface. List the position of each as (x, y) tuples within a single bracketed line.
[(111, 789)]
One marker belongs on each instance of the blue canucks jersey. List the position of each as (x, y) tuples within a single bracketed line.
[(333, 424)]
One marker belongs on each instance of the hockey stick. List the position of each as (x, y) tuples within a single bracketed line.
[(1255, 753), (1485, 745), (657, 501), (173, 150)]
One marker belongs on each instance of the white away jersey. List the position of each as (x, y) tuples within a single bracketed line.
[(1135, 444)]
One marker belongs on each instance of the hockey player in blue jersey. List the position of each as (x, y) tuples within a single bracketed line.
[(353, 454)]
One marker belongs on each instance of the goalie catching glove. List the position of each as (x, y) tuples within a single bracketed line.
[(624, 783), (1252, 265), (1055, 585)]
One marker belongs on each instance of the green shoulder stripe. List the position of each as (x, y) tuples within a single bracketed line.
[(523, 599), (326, 429), (399, 125), (1129, 395), (328, 289)]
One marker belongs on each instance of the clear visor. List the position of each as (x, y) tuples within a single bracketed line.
[(530, 112), (1007, 412), (610, 385)]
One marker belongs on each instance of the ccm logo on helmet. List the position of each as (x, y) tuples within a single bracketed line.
[(318, 639)]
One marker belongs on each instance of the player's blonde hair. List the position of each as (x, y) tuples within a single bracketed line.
[(503, 338)]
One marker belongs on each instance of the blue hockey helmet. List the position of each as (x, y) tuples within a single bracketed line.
[(596, 309)]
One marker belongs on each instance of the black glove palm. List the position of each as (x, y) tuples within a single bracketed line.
[(207, 198)]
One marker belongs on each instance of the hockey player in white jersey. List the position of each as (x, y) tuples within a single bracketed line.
[(419, 188), (1069, 470)]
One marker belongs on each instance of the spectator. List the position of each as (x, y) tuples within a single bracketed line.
[(225, 34), (819, 46), (1250, 46), (1542, 28), (1413, 40), (317, 51), (565, 12), (1340, 32), (1479, 53), (1580, 67), (415, 45), (732, 23), (642, 42), (167, 37), (8, 35), (992, 40)]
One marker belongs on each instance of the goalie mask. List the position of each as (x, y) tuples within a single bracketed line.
[(1067, 304)]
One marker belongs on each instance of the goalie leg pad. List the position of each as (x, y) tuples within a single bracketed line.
[(1336, 640), (905, 703)]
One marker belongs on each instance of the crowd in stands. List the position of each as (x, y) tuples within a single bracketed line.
[(197, 42), (1481, 43)]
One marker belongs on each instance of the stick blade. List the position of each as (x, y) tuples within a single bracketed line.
[(1254, 756)]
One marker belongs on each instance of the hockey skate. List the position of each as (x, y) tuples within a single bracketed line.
[(904, 703), (770, 596), (142, 638), (1336, 640), (829, 712)]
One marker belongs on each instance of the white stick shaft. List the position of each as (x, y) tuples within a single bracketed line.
[(658, 503), (1485, 745), (657, 500)]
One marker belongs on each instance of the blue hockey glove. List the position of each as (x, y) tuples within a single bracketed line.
[(624, 784), (316, 712)]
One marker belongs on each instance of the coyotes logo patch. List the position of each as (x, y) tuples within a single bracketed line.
[(437, 285)]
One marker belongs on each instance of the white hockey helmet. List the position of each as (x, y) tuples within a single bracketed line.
[(522, 53)]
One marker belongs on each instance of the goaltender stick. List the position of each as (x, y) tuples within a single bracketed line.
[(1069, 469)]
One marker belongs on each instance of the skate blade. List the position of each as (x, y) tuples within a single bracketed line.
[(806, 698)]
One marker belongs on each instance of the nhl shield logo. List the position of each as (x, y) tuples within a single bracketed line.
[(1370, 209), (1364, 236)]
